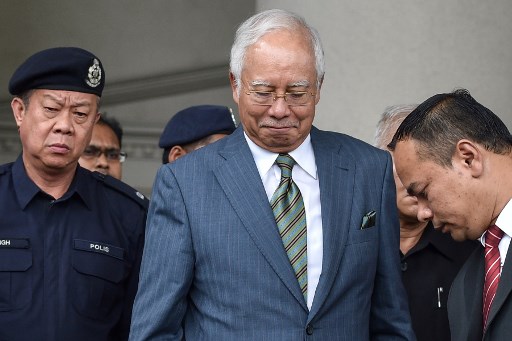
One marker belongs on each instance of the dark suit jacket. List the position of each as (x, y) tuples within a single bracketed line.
[(465, 302), (214, 266), (428, 270)]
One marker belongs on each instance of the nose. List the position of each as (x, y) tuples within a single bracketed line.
[(279, 108), (424, 212), (102, 162), (63, 123)]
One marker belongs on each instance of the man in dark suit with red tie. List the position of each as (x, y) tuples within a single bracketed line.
[(455, 155)]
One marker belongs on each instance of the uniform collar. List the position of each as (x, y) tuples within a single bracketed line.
[(26, 189), (441, 242)]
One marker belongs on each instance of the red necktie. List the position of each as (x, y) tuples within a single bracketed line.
[(492, 268)]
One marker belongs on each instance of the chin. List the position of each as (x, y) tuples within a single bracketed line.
[(460, 236)]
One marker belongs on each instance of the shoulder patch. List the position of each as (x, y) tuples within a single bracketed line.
[(123, 188)]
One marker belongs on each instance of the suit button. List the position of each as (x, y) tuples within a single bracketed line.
[(404, 266), (309, 329)]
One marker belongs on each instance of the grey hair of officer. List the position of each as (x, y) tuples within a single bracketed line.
[(250, 31), (389, 122)]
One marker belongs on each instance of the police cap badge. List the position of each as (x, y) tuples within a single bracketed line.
[(60, 68)]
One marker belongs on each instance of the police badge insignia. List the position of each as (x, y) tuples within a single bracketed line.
[(94, 75), (232, 116)]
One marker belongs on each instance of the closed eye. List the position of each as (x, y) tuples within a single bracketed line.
[(263, 94), (296, 95)]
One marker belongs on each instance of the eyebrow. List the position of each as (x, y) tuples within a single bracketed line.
[(83, 103), (304, 83), (412, 189), (258, 82), (107, 148)]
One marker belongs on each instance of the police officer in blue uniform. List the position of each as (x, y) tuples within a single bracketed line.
[(193, 128), (70, 240)]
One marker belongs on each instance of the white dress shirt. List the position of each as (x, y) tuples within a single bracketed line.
[(504, 222), (305, 175)]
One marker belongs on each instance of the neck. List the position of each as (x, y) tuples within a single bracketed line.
[(410, 234), (53, 183), (502, 184)]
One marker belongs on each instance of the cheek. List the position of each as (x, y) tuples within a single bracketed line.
[(306, 116), (33, 133), (407, 203), (86, 163), (115, 166), (249, 118)]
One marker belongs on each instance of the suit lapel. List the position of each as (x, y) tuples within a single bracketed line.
[(336, 175), (472, 295), (504, 287), (241, 182)]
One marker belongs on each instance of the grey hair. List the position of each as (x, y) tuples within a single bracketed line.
[(251, 30), (389, 122)]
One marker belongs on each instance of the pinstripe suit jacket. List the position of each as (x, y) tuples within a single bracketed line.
[(214, 267)]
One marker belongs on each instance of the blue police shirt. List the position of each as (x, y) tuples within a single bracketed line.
[(68, 267)]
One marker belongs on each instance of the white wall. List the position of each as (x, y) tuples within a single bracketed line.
[(380, 53)]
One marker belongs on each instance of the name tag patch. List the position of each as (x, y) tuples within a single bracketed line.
[(14, 243), (98, 247)]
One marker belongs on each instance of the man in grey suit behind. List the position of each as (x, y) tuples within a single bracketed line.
[(216, 264)]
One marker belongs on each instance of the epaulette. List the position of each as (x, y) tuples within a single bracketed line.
[(124, 188)]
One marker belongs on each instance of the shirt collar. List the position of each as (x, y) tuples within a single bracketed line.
[(436, 239), (504, 222), (303, 155), (26, 189)]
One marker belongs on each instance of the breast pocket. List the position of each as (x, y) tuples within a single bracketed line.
[(15, 280), (362, 248), (98, 277)]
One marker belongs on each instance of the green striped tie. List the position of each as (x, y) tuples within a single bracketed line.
[(288, 208)]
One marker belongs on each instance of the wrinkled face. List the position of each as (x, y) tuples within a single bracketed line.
[(445, 195), (105, 139), (55, 128), (281, 61), (407, 204)]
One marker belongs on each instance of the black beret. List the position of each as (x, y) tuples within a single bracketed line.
[(194, 123), (60, 68)]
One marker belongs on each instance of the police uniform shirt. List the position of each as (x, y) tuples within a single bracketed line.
[(428, 270), (68, 267)]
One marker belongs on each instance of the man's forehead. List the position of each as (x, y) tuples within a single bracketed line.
[(102, 134), (406, 161), (405, 150), (75, 98)]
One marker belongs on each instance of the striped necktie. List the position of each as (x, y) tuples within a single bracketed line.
[(288, 208), (492, 268)]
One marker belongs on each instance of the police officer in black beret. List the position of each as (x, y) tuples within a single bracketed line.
[(193, 128), (70, 240)]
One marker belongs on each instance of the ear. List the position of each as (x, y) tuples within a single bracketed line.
[(18, 110), (470, 156), (234, 87), (176, 152), (98, 115), (317, 97)]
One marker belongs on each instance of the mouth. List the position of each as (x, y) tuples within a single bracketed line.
[(441, 228), (59, 148), (279, 125), (278, 128)]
